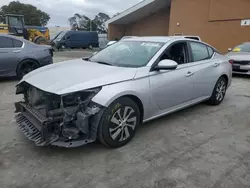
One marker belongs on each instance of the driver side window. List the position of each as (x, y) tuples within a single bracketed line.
[(177, 52)]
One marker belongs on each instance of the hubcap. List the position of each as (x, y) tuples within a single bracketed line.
[(220, 91), (123, 123)]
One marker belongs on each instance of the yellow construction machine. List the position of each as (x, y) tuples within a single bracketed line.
[(14, 25)]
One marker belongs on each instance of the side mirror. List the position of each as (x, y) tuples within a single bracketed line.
[(166, 64), (66, 38), (229, 49)]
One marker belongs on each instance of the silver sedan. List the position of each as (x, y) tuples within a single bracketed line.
[(126, 84), (19, 56), (240, 56)]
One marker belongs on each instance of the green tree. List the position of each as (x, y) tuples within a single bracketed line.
[(32, 15), (99, 21), (82, 22)]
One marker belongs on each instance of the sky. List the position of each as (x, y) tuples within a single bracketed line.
[(61, 10)]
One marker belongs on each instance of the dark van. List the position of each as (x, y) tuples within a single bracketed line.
[(76, 39)]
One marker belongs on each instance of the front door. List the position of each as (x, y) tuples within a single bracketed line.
[(173, 87)]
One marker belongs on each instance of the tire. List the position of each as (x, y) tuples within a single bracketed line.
[(41, 41), (112, 132), (25, 67), (90, 47), (219, 92)]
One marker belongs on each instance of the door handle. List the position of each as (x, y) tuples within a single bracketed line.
[(216, 64), (17, 51), (189, 74)]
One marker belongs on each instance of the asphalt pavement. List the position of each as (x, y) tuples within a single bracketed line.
[(71, 54)]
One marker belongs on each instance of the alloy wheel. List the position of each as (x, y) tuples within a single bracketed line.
[(123, 123), (220, 90)]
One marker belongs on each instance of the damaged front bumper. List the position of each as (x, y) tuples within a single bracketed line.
[(47, 131)]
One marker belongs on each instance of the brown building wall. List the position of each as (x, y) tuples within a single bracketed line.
[(115, 31), (229, 9), (193, 17), (154, 25)]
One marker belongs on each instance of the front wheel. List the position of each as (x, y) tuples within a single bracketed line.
[(119, 122), (219, 92)]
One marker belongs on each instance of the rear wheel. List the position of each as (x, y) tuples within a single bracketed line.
[(25, 67), (219, 92), (41, 41), (119, 122)]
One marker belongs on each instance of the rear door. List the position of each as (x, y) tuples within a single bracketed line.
[(10, 54), (205, 67)]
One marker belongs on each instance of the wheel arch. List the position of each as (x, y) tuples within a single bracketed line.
[(226, 77), (132, 95), (26, 59), (139, 104)]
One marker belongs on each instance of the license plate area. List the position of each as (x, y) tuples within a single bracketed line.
[(236, 66)]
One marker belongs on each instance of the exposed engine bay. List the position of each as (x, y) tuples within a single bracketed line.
[(69, 120)]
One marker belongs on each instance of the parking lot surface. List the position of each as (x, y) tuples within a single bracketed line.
[(71, 54), (202, 146)]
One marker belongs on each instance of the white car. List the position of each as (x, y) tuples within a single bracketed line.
[(108, 95), (180, 36), (241, 58), (114, 41)]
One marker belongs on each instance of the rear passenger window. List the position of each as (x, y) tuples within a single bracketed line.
[(6, 42), (17, 43), (210, 51), (199, 51)]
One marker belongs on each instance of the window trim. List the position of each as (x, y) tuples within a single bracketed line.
[(190, 48), (12, 39), (212, 50), (19, 41)]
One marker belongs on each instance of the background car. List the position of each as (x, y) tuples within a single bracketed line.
[(241, 58), (19, 56), (76, 39), (109, 94)]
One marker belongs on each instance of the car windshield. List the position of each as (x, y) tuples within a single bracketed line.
[(242, 48), (15, 21), (55, 35), (127, 53), (61, 35)]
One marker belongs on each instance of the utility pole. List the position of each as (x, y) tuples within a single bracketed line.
[(90, 22)]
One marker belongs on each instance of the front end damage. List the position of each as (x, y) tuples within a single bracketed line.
[(62, 120)]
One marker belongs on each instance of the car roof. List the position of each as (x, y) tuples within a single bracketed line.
[(163, 39), (149, 39), (14, 37)]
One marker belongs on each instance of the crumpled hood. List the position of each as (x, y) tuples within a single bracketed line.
[(239, 56), (76, 75)]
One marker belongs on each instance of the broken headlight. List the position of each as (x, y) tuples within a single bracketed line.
[(73, 99)]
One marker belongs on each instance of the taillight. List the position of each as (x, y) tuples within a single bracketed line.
[(51, 52), (231, 61)]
